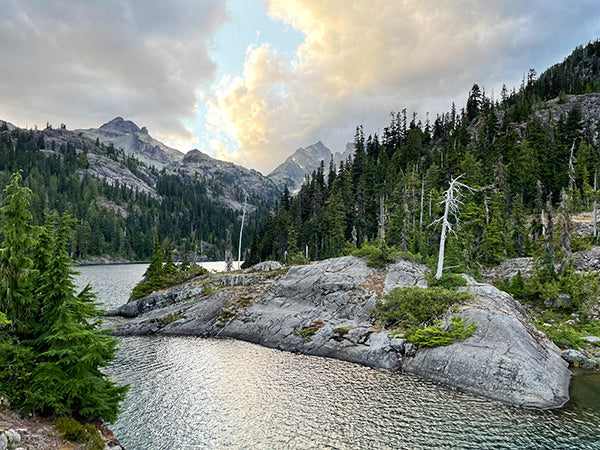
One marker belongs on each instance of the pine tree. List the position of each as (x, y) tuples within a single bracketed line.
[(16, 298), (155, 269), (169, 267), (72, 348)]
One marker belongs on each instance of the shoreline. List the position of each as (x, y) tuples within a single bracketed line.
[(324, 309)]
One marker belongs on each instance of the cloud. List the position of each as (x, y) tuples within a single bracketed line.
[(361, 59), (84, 63)]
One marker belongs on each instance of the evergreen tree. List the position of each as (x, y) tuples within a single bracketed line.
[(169, 267), (16, 297), (72, 348), (155, 269)]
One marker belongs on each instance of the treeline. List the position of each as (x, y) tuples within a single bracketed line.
[(112, 218), (393, 185)]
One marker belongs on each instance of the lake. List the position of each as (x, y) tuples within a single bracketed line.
[(192, 393)]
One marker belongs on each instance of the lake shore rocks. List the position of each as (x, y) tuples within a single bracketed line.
[(324, 309)]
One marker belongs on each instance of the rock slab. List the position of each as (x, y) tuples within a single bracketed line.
[(325, 309), (506, 358)]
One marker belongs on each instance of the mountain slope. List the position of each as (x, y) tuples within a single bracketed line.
[(229, 181), (119, 203), (302, 162), (135, 141)]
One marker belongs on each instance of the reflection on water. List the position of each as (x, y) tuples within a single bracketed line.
[(199, 393), (206, 393)]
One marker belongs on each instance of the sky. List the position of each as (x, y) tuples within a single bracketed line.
[(250, 81)]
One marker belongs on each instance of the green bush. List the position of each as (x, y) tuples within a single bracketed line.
[(306, 332), (4, 320), (449, 280), (583, 288), (564, 336), (378, 256), (164, 280), (74, 431), (411, 306), (16, 365), (434, 336)]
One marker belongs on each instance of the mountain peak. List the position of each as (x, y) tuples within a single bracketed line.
[(136, 141), (301, 163), (120, 125)]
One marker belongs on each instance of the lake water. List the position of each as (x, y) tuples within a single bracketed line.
[(193, 393)]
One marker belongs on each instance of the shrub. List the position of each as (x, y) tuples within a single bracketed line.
[(411, 306), (4, 320), (448, 280), (306, 332), (377, 256), (340, 332), (164, 280), (74, 431), (435, 336), (564, 336)]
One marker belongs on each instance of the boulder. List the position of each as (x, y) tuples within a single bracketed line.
[(509, 268), (578, 359), (561, 301), (587, 260), (506, 358), (592, 339), (3, 441), (325, 309), (267, 266), (13, 437)]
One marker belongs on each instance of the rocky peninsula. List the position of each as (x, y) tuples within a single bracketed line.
[(324, 309)]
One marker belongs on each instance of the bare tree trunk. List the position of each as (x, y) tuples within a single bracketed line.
[(440, 264), (565, 225), (422, 194), (241, 232), (228, 254), (381, 220), (452, 205)]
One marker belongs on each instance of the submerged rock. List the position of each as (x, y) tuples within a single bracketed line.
[(324, 309)]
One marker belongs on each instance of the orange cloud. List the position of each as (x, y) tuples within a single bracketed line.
[(360, 60)]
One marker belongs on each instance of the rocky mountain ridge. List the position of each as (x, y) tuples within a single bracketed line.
[(230, 181), (234, 180), (303, 162), (126, 135)]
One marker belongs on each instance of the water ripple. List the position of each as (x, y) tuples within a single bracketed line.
[(191, 393), (204, 393)]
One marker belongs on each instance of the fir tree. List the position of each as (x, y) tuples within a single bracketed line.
[(72, 348), (16, 297)]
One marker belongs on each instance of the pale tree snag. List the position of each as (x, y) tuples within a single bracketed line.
[(565, 226), (452, 203), (242, 231)]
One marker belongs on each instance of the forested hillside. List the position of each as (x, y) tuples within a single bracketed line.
[(120, 204), (521, 152)]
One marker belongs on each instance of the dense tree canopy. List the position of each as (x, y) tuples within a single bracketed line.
[(516, 159), (111, 218)]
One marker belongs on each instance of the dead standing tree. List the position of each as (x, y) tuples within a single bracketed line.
[(452, 203)]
